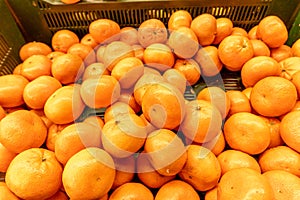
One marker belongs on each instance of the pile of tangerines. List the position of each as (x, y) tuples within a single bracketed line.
[(152, 142)]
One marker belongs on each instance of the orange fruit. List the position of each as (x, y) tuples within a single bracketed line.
[(131, 190), (138, 51), (5, 158), (183, 42), (125, 170), (143, 83), (190, 69), (260, 48), (258, 68), (64, 105), (252, 33), (101, 92), (247, 92), (166, 152), (244, 183), (95, 70), (11, 90), (74, 138), (22, 130), (209, 61), (289, 67), (70, 1), (285, 185), (202, 121), (176, 78), (281, 158), (31, 169), (274, 125), (239, 31), (37, 92), (114, 52), (41, 114), (216, 145), (95, 174), (54, 54), (94, 120), (273, 96), (281, 53), (53, 131), (247, 132), (123, 135), (127, 97), (234, 51), (129, 35), (2, 113), (268, 29), (239, 102), (224, 29), (296, 81), (35, 66), (17, 69), (116, 109), (59, 196), (159, 56), (217, 97), (296, 48), (33, 48), (289, 130), (104, 30), (152, 31), (63, 39), (100, 53), (88, 40), (5, 193), (202, 169), (85, 52), (163, 105), (211, 194), (149, 127), (127, 71), (67, 68), (233, 159), (179, 18), (175, 190), (147, 174), (205, 28)]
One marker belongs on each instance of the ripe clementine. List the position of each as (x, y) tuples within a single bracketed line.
[(117, 108), (205, 28), (202, 121), (247, 132), (260, 48), (243, 183), (104, 30), (176, 78), (125, 170), (95, 174), (95, 70), (129, 35), (64, 105), (234, 51), (74, 138), (296, 48), (127, 97), (252, 33), (273, 96), (131, 190), (5, 158), (166, 152), (63, 39), (175, 190), (282, 158), (22, 130), (202, 169), (289, 67), (53, 131), (281, 53), (85, 52), (224, 29), (233, 159), (11, 90), (5, 192), (33, 48), (268, 29), (101, 92), (152, 31), (274, 125), (31, 169), (239, 31), (88, 40), (179, 18), (216, 145), (190, 69), (258, 68)]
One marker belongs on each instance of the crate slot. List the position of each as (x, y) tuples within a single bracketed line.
[(7, 62)]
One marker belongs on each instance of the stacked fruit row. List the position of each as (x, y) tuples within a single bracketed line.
[(152, 143)]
